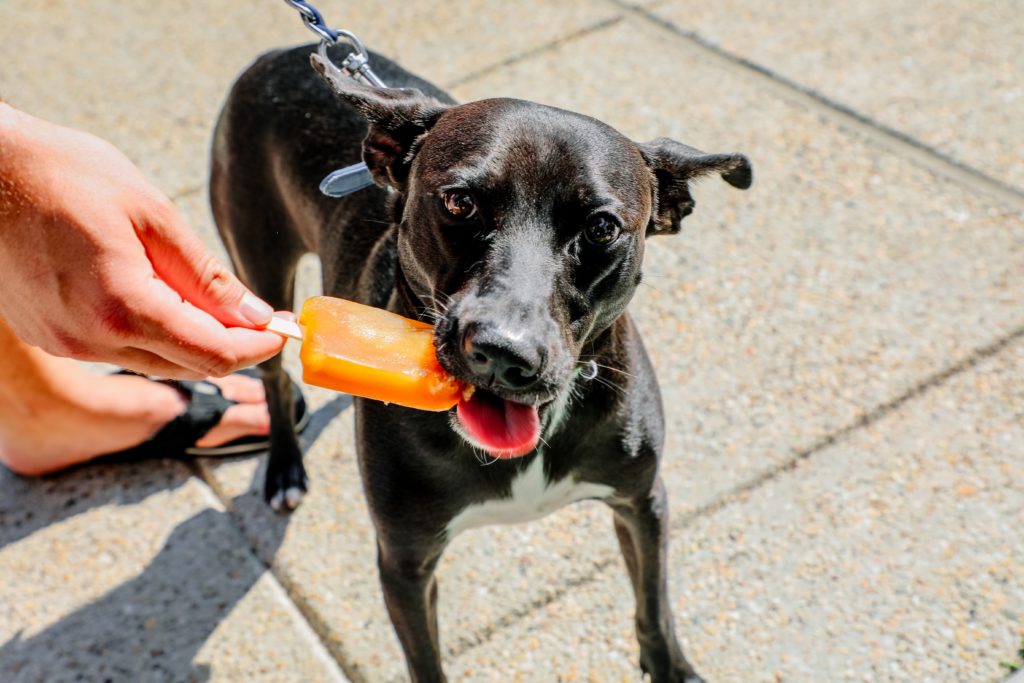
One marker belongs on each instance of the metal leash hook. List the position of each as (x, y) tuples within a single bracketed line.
[(356, 65)]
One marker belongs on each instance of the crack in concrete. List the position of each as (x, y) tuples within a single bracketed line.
[(533, 52)]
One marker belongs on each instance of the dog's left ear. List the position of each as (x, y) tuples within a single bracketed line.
[(674, 165), (398, 117)]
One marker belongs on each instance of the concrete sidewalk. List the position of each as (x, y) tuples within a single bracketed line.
[(840, 352)]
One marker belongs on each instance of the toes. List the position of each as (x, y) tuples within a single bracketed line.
[(669, 672), (240, 420), (287, 500), (277, 502), (241, 388)]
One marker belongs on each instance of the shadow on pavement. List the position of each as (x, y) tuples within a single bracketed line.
[(322, 416), (28, 504), (152, 627)]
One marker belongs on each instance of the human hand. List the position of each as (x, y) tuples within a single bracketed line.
[(97, 264)]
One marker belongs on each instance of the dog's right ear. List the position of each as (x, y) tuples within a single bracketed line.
[(398, 118)]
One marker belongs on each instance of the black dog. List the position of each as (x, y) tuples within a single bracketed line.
[(518, 231)]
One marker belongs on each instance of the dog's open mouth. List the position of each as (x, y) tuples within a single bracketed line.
[(503, 428)]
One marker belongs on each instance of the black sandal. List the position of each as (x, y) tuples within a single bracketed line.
[(206, 406)]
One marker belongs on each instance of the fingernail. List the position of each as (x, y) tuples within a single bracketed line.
[(255, 310)]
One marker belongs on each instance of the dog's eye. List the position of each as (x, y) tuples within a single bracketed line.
[(459, 203), (601, 231)]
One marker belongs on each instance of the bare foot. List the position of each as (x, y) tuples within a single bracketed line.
[(54, 413)]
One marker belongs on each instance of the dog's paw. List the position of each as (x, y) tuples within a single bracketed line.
[(285, 488), (288, 499)]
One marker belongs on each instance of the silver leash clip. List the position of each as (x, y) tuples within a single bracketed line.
[(356, 65)]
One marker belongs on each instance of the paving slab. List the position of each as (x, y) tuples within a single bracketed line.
[(894, 555), (151, 77), (134, 572), (948, 74)]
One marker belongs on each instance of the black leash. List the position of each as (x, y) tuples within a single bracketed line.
[(356, 65)]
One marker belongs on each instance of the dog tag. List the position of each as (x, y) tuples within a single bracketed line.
[(346, 180)]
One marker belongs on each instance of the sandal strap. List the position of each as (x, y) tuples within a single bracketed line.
[(206, 406)]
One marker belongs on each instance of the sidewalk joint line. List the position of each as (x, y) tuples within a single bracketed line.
[(470, 641), (534, 51), (896, 141), (320, 649), (309, 616), (876, 414)]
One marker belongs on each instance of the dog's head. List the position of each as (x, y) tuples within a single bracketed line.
[(522, 234)]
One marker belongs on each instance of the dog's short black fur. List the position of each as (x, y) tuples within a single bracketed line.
[(518, 230)]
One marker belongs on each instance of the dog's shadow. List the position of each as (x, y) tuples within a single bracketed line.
[(323, 416)]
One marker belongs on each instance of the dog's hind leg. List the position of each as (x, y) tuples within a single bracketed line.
[(642, 529), (410, 593)]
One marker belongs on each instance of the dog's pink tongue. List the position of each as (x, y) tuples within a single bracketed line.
[(505, 429)]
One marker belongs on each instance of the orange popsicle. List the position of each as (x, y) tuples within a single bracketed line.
[(372, 353)]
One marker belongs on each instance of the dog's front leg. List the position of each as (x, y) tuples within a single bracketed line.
[(410, 593), (286, 481), (642, 529)]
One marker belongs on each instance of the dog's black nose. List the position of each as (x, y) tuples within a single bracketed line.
[(510, 363)]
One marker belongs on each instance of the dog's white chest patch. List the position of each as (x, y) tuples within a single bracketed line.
[(532, 498)]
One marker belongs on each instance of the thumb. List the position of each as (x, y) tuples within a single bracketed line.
[(181, 260)]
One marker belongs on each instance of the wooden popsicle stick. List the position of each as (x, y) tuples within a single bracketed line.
[(285, 328)]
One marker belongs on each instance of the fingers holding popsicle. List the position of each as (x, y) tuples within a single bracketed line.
[(194, 340)]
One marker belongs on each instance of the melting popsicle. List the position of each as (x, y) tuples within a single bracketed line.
[(370, 352)]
